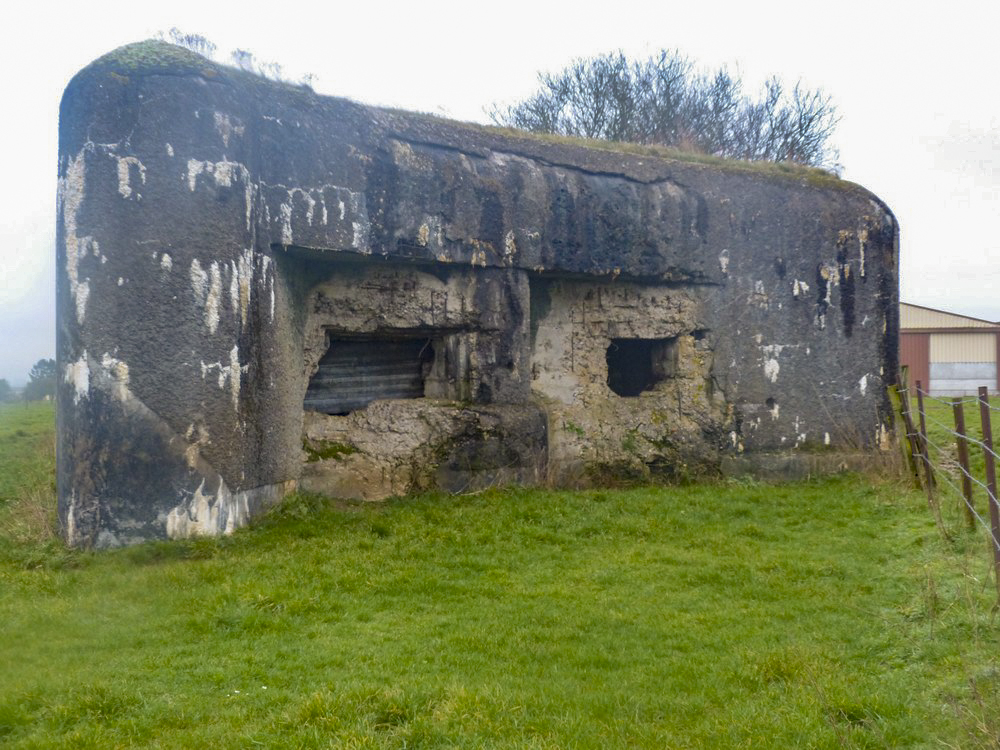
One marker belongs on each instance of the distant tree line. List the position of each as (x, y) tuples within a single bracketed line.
[(664, 100), (41, 383)]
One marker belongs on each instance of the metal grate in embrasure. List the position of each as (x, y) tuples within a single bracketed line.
[(355, 372)]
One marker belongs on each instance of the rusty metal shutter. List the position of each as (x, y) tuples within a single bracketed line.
[(353, 373)]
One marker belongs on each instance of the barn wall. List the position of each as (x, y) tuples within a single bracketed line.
[(914, 354), (962, 362), (914, 316)]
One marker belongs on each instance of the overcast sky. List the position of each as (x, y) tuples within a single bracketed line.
[(916, 85)]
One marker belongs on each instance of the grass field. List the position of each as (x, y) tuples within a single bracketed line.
[(823, 614), (943, 454)]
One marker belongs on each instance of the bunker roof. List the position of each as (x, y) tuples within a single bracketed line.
[(639, 162)]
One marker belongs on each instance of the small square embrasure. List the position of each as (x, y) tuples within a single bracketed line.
[(637, 365)]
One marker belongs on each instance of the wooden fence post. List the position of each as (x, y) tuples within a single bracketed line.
[(905, 439), (963, 460), (911, 436), (932, 501), (924, 447), (991, 479)]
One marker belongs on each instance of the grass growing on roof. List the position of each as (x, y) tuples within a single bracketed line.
[(819, 614)]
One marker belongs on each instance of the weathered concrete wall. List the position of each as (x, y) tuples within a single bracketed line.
[(217, 230)]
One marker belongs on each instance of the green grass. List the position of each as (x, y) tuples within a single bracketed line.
[(824, 614), (943, 453), (27, 472)]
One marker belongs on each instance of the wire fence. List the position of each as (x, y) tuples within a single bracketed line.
[(951, 461)]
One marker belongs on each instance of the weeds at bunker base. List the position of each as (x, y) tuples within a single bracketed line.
[(457, 306)]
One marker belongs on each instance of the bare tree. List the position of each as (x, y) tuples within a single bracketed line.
[(663, 100)]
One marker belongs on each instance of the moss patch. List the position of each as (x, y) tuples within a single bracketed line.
[(321, 450), (153, 56)]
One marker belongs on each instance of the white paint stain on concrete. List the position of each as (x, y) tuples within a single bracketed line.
[(239, 289), (230, 374), (234, 288), (213, 298), (195, 168), (207, 514), (166, 262), (77, 374), (227, 127), (265, 262), (360, 240), (224, 173), (771, 353), (509, 247), (285, 212), (204, 513), (71, 519), (207, 288), (863, 384), (116, 373), (199, 281), (70, 197), (724, 261), (862, 239), (771, 369), (82, 295), (125, 164), (830, 273), (310, 202), (775, 412), (170, 150), (799, 288)]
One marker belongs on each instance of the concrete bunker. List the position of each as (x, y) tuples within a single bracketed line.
[(262, 289)]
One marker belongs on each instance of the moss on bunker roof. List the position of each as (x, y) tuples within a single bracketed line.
[(151, 57), (434, 128), (155, 57)]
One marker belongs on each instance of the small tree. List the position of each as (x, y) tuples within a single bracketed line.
[(41, 381), (663, 100), (194, 42), (6, 392), (243, 59)]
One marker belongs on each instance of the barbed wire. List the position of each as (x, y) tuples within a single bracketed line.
[(945, 402), (962, 400), (944, 475), (966, 437)]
